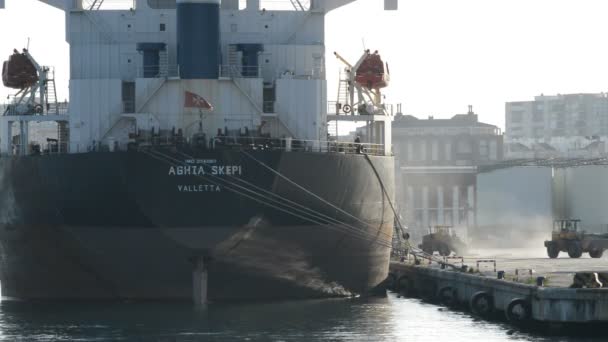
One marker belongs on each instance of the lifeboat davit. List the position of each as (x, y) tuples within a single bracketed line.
[(19, 72), (373, 73)]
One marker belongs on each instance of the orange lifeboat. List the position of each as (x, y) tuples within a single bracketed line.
[(373, 73), (19, 72)]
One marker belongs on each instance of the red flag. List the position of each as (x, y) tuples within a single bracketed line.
[(196, 101)]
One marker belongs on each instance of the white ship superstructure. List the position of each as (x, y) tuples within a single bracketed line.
[(128, 83)]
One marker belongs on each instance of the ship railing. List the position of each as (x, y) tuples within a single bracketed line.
[(247, 143), (295, 145), (261, 144), (158, 71), (50, 147), (60, 108), (239, 71), (339, 108)]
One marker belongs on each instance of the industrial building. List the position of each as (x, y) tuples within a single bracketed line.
[(436, 162), (514, 202), (523, 200), (582, 192), (566, 126)]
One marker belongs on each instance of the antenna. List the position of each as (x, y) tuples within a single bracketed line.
[(363, 42), (28, 44)]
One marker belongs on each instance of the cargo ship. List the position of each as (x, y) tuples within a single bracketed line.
[(197, 132)]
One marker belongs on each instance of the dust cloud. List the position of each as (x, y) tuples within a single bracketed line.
[(516, 237)]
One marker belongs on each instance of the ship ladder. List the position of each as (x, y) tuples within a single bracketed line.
[(95, 5), (343, 103), (50, 94)]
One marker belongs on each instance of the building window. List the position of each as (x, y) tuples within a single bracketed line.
[(464, 147), (422, 150), (448, 151), (483, 148), (493, 150), (410, 151), (435, 151), (517, 117), (163, 27)]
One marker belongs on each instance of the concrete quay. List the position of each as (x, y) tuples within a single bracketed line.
[(516, 296)]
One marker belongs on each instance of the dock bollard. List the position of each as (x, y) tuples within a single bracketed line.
[(540, 281), (500, 275), (529, 271)]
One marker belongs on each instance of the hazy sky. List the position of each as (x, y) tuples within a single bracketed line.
[(443, 54)]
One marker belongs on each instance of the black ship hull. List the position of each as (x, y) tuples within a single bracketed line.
[(131, 224)]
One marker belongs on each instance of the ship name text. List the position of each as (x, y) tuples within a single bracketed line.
[(199, 170)]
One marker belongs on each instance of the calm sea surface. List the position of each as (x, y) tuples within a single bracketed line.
[(377, 319)]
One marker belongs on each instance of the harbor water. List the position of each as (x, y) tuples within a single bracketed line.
[(356, 319)]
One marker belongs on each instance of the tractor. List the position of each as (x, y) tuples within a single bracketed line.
[(567, 237), (442, 239)]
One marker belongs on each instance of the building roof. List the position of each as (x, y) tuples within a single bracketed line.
[(458, 120)]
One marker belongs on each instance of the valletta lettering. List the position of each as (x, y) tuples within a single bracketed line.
[(199, 188)]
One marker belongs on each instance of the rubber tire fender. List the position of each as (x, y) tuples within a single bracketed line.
[(512, 317), (347, 108), (447, 296), (476, 306)]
